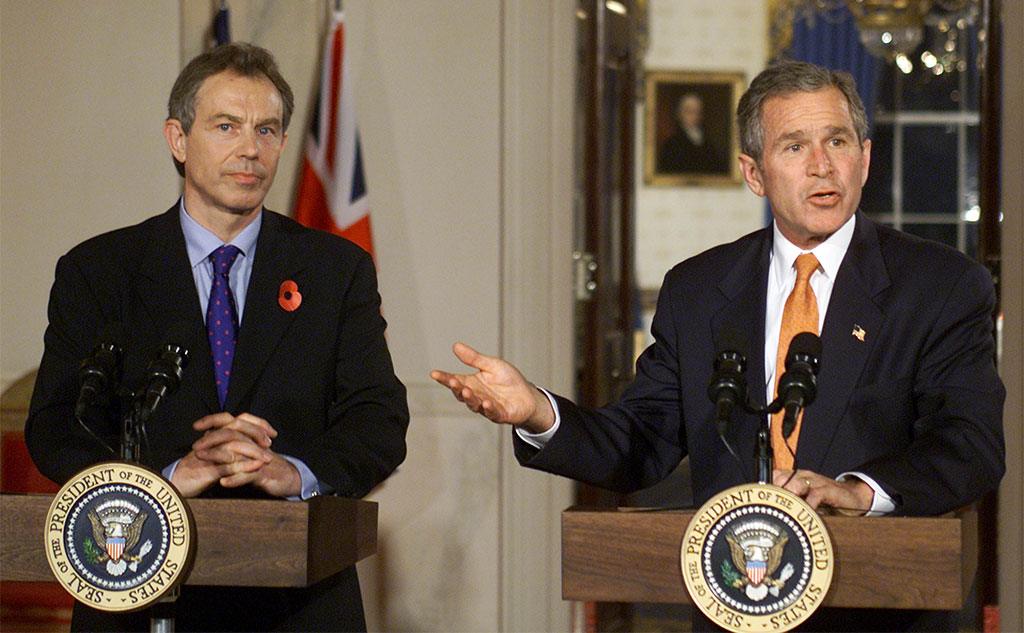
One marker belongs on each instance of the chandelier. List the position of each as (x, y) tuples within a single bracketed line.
[(893, 29)]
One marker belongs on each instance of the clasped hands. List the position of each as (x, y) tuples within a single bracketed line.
[(235, 451), (500, 392)]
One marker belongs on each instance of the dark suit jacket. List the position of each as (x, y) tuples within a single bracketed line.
[(917, 405), (678, 154), (321, 375)]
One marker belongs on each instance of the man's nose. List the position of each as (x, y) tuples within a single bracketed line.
[(820, 163), (248, 146)]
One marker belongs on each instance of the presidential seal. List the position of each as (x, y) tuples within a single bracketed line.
[(757, 558), (118, 537)]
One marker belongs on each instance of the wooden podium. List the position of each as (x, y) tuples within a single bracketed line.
[(239, 542), (631, 555)]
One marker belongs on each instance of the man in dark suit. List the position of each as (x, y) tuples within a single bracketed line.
[(908, 416), (298, 396), (689, 149)]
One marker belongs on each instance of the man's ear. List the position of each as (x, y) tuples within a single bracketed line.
[(752, 174), (177, 140), (865, 160)]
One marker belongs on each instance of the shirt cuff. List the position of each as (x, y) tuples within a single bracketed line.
[(540, 440), (168, 471), (310, 485), (881, 503)]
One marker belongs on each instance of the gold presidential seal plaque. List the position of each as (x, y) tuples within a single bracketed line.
[(118, 537), (757, 558)]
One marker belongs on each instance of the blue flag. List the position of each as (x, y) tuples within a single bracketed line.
[(222, 24)]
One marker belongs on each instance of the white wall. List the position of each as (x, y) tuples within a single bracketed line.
[(81, 150), (673, 223)]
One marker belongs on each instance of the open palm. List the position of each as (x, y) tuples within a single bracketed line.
[(497, 390)]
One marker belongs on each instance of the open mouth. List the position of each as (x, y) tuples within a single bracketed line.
[(827, 196)]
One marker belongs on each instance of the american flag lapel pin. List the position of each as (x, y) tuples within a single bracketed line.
[(858, 333)]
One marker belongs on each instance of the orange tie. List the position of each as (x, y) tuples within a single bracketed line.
[(799, 315)]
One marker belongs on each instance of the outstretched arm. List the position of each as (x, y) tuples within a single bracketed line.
[(497, 391)]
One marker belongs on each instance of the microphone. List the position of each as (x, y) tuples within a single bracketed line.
[(799, 385), (100, 372), (728, 386), (163, 375)]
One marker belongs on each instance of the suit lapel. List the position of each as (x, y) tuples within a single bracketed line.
[(167, 293), (264, 322), (743, 313), (853, 306)]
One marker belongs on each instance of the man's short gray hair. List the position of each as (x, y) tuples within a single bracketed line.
[(247, 60), (785, 78)]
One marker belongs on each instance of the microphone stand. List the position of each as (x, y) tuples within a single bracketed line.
[(763, 452), (130, 436), (763, 448), (161, 619)]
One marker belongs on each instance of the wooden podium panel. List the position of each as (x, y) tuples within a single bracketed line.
[(244, 542), (626, 555)]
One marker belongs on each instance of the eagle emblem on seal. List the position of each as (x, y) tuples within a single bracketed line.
[(116, 530), (756, 549)]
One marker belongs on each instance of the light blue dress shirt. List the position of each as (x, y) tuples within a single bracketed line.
[(199, 243)]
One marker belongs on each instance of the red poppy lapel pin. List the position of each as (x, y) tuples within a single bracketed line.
[(289, 297)]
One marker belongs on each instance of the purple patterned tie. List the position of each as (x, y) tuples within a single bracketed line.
[(222, 318)]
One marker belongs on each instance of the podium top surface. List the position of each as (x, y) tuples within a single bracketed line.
[(633, 555), (239, 542)]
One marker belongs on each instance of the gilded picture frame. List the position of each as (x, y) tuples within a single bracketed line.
[(690, 135)]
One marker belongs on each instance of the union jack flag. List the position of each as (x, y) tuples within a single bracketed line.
[(332, 190)]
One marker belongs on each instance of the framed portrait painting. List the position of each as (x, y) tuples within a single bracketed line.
[(690, 134)]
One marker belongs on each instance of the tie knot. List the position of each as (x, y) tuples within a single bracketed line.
[(805, 265), (224, 258)]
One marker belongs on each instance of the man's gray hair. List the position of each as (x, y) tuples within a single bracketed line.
[(785, 78), (241, 58)]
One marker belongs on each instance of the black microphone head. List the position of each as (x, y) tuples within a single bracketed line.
[(179, 339), (104, 364), (799, 382), (732, 350), (165, 371), (730, 363), (804, 348), (100, 372)]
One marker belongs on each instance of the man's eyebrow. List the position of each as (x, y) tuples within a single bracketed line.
[(237, 119), (795, 135), (225, 115), (839, 130)]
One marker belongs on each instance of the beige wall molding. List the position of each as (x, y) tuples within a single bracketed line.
[(1011, 492), (538, 43)]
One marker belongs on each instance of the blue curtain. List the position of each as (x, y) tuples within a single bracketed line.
[(831, 40)]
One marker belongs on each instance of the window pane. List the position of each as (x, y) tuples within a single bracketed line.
[(945, 233), (973, 166), (930, 169), (877, 194), (971, 240)]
